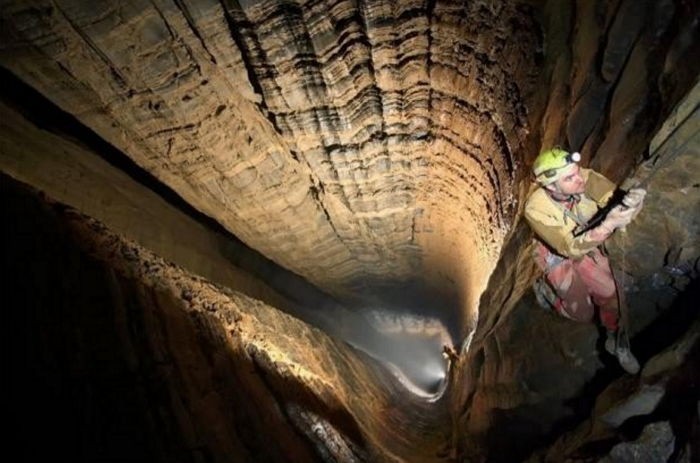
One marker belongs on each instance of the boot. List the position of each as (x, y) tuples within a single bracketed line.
[(611, 342), (627, 360), (617, 344)]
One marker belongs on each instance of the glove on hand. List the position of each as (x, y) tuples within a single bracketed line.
[(634, 197), (619, 217)]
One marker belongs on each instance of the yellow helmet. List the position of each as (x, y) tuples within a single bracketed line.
[(549, 165)]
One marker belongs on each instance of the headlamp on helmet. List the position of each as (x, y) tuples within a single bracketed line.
[(549, 165)]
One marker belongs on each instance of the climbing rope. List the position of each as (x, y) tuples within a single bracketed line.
[(655, 163), (622, 335)]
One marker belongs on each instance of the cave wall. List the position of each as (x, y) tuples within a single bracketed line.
[(527, 370), (74, 174), (358, 145), (361, 146), (53, 153), (113, 353), (613, 72)]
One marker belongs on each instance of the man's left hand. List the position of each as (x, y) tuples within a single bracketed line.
[(634, 198)]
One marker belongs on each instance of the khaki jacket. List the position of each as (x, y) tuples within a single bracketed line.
[(555, 226)]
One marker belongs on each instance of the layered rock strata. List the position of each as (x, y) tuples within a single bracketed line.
[(354, 144), (366, 146)]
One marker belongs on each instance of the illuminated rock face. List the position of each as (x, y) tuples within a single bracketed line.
[(356, 145), (377, 149)]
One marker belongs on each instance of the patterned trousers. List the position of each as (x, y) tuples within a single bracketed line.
[(582, 286)]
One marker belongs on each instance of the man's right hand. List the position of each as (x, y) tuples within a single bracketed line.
[(620, 216)]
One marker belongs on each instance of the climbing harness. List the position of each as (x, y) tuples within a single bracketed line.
[(545, 295)]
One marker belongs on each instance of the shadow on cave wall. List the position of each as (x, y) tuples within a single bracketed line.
[(87, 382), (518, 433), (71, 393)]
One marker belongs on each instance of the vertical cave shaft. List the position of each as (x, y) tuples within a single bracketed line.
[(358, 145), (360, 165)]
